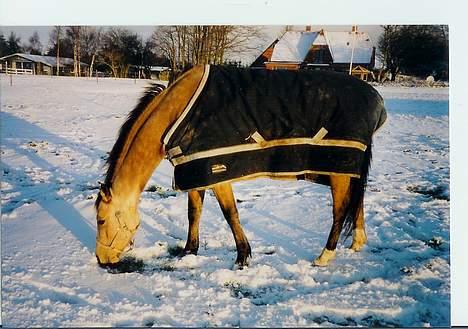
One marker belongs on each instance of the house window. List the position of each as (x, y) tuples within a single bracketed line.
[(28, 65)]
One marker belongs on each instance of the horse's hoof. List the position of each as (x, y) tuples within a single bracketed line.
[(241, 262), (239, 266), (325, 257), (186, 252)]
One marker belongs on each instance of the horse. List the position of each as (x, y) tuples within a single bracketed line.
[(331, 147)]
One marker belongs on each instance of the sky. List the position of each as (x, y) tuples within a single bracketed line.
[(271, 32)]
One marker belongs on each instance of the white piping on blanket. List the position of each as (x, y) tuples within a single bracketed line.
[(189, 105)]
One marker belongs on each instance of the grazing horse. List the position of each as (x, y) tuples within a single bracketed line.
[(218, 125)]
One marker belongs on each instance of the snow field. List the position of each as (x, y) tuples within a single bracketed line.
[(55, 133)]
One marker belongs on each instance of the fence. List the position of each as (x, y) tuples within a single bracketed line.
[(10, 70)]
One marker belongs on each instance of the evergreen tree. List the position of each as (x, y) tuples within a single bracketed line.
[(3, 46)]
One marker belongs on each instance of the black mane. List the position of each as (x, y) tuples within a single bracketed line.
[(150, 93)]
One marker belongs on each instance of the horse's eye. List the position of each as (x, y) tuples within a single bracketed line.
[(101, 221)]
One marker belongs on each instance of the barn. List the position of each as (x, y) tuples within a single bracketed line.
[(21, 63), (323, 50)]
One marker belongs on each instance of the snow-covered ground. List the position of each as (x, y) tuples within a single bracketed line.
[(55, 133)]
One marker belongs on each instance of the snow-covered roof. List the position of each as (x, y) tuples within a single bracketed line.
[(47, 60), (341, 45), (293, 46), (159, 68)]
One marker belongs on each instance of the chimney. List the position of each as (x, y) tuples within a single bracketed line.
[(308, 28), (354, 28)]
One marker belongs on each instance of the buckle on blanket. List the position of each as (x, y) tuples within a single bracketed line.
[(258, 138), (218, 168)]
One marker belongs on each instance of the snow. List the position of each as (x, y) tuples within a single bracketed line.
[(341, 45), (55, 133), (293, 46)]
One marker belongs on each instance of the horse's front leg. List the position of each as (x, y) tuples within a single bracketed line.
[(227, 202), (195, 204), (340, 188)]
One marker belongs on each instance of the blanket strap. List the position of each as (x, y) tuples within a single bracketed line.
[(258, 138)]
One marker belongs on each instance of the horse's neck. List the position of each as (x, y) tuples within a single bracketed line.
[(146, 149)]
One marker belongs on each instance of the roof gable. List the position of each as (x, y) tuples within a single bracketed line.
[(341, 46), (294, 46)]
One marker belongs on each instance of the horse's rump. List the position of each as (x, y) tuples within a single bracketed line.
[(244, 123)]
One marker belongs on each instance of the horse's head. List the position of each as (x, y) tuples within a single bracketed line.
[(117, 223)]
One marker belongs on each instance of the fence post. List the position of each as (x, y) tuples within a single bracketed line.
[(11, 80)]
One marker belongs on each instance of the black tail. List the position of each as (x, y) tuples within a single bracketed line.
[(357, 189)]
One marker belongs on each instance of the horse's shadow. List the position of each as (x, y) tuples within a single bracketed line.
[(45, 193)]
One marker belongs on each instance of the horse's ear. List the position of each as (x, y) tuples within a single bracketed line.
[(106, 193)]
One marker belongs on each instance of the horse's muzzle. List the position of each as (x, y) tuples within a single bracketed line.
[(107, 259)]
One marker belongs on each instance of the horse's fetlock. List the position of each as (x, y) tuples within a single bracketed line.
[(191, 247), (359, 239), (244, 252)]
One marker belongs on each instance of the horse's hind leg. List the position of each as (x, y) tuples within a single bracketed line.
[(359, 234), (195, 204), (340, 188), (227, 203)]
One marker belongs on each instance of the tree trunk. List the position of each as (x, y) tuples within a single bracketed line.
[(91, 65), (58, 52), (75, 67), (79, 56)]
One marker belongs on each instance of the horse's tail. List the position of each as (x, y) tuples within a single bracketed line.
[(357, 189)]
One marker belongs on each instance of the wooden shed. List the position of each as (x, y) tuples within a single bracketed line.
[(360, 72)]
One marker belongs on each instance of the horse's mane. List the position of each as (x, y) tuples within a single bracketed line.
[(128, 127)]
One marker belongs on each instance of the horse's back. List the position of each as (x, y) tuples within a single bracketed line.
[(248, 123)]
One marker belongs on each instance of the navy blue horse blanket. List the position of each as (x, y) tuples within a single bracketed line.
[(246, 123)]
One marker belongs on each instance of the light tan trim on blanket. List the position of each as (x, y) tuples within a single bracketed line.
[(316, 140), (175, 151), (189, 105), (277, 175), (343, 143)]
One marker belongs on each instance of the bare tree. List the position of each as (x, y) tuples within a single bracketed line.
[(54, 37), (90, 45), (120, 50), (204, 44), (74, 32)]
